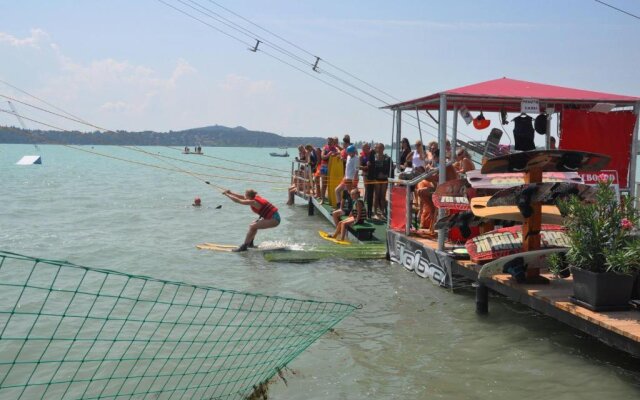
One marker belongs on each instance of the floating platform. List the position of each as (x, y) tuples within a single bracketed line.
[(30, 160), (618, 329), (378, 234)]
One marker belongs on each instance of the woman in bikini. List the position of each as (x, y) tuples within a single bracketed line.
[(267, 212)]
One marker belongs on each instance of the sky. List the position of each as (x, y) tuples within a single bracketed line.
[(141, 65)]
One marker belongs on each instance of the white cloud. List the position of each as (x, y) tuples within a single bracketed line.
[(110, 92), (115, 106), (234, 83), (37, 36)]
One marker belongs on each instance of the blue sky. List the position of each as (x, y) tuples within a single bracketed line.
[(139, 65)]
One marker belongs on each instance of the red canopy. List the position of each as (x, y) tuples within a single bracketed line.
[(507, 94)]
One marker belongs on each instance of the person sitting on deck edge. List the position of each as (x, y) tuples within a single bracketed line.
[(269, 216), (357, 216)]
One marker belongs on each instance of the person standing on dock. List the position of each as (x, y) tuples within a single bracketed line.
[(350, 174), (367, 176), (328, 150), (380, 166), (267, 212)]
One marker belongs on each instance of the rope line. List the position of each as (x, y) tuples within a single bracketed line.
[(233, 161), (106, 130), (227, 22), (138, 162)]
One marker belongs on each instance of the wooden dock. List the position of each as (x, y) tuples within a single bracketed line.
[(619, 329), (379, 235)]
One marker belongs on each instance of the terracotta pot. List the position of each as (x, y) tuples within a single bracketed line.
[(602, 289)]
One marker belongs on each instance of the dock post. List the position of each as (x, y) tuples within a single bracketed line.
[(311, 209), (482, 298)]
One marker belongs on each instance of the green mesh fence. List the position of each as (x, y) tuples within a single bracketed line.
[(70, 332)]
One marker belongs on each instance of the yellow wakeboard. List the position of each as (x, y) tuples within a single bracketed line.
[(325, 236), (335, 175), (550, 214), (229, 247)]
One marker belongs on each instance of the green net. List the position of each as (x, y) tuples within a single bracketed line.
[(70, 332)]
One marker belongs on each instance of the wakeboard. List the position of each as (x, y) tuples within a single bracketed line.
[(505, 180), (506, 241), (227, 248), (544, 193), (461, 219), (451, 202), (547, 161), (325, 236), (456, 187), (536, 258), (480, 208)]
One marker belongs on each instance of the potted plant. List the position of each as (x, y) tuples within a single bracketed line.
[(558, 265), (605, 248)]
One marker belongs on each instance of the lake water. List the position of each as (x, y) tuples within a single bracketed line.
[(410, 340)]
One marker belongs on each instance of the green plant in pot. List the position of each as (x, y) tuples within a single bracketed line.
[(605, 248)]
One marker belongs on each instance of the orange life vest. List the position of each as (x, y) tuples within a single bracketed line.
[(266, 209)]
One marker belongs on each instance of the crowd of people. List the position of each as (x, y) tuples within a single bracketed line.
[(374, 168), (371, 165)]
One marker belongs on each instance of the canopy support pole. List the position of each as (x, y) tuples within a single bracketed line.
[(631, 183), (398, 134), (390, 186), (547, 138), (454, 134), (419, 127), (442, 167)]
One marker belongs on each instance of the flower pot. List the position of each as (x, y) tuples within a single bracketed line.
[(601, 290), (635, 294)]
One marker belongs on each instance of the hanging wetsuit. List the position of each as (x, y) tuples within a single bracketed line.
[(523, 133)]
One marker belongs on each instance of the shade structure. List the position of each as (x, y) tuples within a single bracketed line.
[(506, 94)]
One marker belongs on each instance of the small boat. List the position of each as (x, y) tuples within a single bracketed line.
[(286, 154), (196, 150)]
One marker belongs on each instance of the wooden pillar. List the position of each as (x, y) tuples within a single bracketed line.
[(482, 298), (531, 227), (311, 209)]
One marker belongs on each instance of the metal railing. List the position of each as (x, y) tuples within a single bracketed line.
[(302, 178)]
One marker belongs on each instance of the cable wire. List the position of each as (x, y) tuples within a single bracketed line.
[(138, 149), (175, 169), (617, 9), (217, 17)]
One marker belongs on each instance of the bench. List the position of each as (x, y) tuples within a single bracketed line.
[(363, 231)]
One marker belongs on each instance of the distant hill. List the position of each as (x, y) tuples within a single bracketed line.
[(216, 135)]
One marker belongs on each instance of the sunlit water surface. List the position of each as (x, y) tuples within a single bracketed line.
[(410, 340)]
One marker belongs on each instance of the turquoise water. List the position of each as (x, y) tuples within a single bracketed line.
[(411, 340)]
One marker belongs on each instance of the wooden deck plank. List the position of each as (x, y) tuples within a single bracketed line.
[(556, 296)]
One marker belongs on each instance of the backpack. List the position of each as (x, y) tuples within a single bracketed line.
[(540, 124)]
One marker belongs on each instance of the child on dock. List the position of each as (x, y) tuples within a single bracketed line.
[(357, 216)]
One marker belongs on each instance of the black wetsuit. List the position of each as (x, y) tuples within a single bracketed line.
[(523, 133)]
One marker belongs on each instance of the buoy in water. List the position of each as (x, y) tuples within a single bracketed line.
[(197, 202)]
